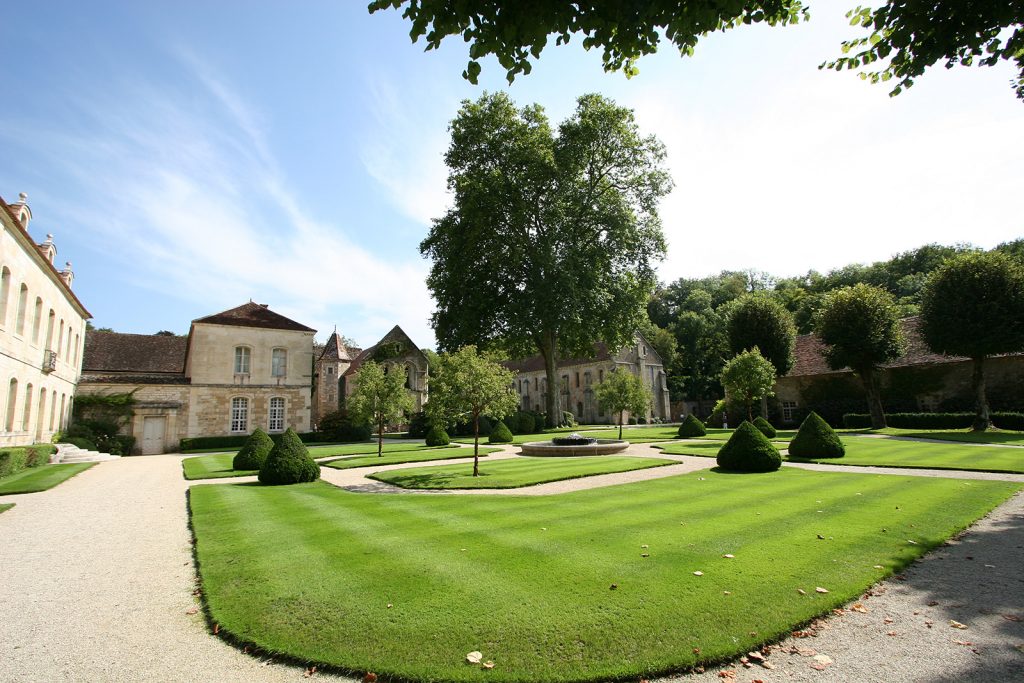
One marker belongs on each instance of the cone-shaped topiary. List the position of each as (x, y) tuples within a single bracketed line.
[(254, 452), (692, 427), (437, 436), (289, 462), (500, 433), (765, 427), (816, 439), (748, 450)]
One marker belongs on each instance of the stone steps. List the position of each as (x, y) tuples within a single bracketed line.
[(67, 452)]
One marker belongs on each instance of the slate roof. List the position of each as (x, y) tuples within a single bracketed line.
[(536, 363), (335, 349), (139, 354), (253, 315), (396, 334)]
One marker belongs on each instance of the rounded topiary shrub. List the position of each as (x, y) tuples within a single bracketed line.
[(437, 436), (526, 423), (816, 439), (500, 433), (748, 450), (765, 427), (289, 462), (692, 427), (254, 453)]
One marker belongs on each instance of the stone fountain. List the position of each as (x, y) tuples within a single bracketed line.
[(574, 444)]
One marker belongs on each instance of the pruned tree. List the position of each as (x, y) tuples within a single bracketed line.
[(623, 391), (760, 321), (379, 397), (748, 377), (550, 243), (973, 306), (466, 384), (860, 327)]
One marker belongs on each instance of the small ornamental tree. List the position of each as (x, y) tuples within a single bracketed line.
[(748, 450), (254, 452), (380, 397), (748, 378), (500, 433), (437, 436), (816, 439), (289, 462), (973, 306), (760, 321), (860, 328), (466, 384), (692, 427), (620, 391)]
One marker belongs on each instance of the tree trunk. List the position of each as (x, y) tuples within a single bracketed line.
[(476, 443), (750, 411), (548, 350), (621, 413), (982, 419), (380, 439), (764, 407), (870, 380)]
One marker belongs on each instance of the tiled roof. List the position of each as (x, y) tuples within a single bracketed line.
[(253, 315), (334, 349), (396, 334), (810, 361), (139, 354), (155, 378), (536, 363)]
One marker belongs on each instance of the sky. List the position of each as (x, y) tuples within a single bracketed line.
[(190, 156)]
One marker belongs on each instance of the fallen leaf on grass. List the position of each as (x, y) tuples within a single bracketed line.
[(878, 566), (819, 589), (698, 573), (645, 554), (645, 546), (801, 591), (488, 664), (911, 542), (216, 629), (728, 556), (614, 586), (956, 624), (474, 657), (726, 592)]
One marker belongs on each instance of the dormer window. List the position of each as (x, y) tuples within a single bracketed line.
[(242, 360)]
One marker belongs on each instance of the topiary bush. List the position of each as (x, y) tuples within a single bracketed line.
[(289, 462), (816, 439), (748, 450), (254, 453), (500, 433), (526, 422), (692, 427), (765, 427), (437, 436)]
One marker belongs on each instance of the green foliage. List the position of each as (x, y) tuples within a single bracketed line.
[(574, 228), (254, 453), (436, 436), (341, 426), (526, 422), (692, 427), (765, 427), (662, 340), (568, 419), (759, 321), (379, 397), (1001, 420), (419, 425), (748, 378), (816, 439), (485, 425), (748, 450), (388, 350), (500, 434), (289, 463), (623, 391), (82, 442), (17, 458)]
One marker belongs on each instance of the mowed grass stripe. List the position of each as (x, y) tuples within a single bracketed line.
[(41, 478), (426, 455), (537, 601)]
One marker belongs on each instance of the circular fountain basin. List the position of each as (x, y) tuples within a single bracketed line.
[(596, 447)]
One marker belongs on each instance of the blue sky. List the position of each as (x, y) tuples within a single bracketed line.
[(190, 156)]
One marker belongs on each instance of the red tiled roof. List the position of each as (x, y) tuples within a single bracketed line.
[(536, 363), (139, 354), (253, 315)]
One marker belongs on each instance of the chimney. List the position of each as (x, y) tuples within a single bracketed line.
[(67, 274), (47, 249)]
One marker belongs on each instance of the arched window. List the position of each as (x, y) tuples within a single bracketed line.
[(279, 363), (408, 377), (5, 293), (60, 337), (53, 410), (276, 421), (36, 320), (40, 421), (67, 348), (63, 421), (19, 326), (243, 356), (12, 403), (49, 330), (26, 419), (77, 344), (239, 414)]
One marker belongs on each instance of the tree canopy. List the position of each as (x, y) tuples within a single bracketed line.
[(748, 377), (379, 397), (551, 241), (904, 37), (623, 391), (762, 322)]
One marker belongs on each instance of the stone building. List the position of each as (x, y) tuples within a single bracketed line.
[(42, 327), (578, 378), (917, 381), (236, 370), (337, 363)]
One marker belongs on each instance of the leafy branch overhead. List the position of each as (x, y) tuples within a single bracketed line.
[(904, 38)]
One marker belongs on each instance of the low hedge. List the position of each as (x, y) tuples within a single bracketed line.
[(691, 427), (1012, 421), (237, 441), (18, 458)]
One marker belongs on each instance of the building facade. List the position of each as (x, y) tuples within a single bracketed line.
[(236, 370), (42, 331), (579, 377)]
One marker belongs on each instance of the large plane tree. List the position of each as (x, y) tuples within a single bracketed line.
[(551, 240)]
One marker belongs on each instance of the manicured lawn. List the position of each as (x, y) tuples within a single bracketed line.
[(637, 434), (994, 437), (407, 585), (404, 456), (4, 507), (510, 474), (519, 438), (218, 465), (715, 434), (41, 478), (866, 451)]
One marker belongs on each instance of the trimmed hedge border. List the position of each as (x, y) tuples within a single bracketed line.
[(17, 458), (1011, 421), (238, 440)]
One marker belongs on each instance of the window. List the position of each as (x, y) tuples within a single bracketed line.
[(330, 369), (788, 410), (408, 377), (63, 398), (577, 380), (600, 378), (276, 422), (26, 418), (60, 338), (240, 414), (67, 348), (53, 410), (12, 403), (36, 320), (42, 414), (278, 363), (565, 384), (19, 326), (5, 293), (242, 354), (77, 344), (587, 378), (49, 330)]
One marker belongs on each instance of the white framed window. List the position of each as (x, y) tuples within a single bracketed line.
[(239, 414), (276, 421), (278, 363), (243, 357), (788, 410)]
